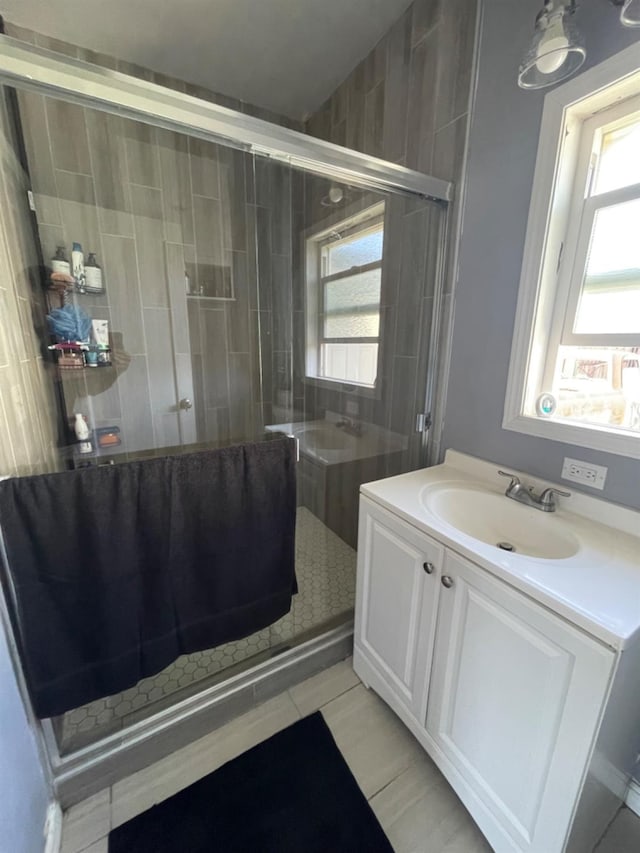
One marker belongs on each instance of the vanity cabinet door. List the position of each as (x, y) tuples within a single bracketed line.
[(396, 602), (514, 704)]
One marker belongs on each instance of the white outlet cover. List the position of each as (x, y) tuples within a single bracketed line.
[(585, 473)]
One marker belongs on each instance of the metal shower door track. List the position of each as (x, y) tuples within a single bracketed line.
[(30, 67)]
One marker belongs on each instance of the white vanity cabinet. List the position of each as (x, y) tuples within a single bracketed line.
[(504, 695)]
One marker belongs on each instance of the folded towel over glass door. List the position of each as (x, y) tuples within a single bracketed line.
[(116, 571)]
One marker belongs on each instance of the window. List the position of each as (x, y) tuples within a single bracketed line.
[(344, 271), (578, 380)]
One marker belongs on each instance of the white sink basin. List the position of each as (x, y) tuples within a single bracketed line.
[(327, 438), (324, 442), (497, 520)]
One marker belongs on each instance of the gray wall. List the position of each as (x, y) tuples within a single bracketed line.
[(24, 793), (502, 151)]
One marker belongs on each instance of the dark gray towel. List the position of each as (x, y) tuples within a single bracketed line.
[(118, 570)]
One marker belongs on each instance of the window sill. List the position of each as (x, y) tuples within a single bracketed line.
[(343, 387), (622, 443)]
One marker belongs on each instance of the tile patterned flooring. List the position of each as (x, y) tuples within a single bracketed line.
[(326, 572), (415, 805)]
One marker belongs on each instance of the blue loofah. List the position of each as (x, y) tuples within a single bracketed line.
[(70, 323)]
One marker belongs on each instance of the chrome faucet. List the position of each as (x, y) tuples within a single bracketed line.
[(545, 501), (350, 426)]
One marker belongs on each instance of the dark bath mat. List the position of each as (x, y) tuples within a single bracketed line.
[(293, 793)]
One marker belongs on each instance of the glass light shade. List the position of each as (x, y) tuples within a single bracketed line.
[(556, 51), (630, 13)]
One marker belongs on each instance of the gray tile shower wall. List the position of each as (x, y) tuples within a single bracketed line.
[(409, 89), (161, 209), (29, 432), (408, 102)]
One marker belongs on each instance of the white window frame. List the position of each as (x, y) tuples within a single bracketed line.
[(356, 224), (551, 244)]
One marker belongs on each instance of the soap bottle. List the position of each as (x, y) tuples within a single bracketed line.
[(77, 268), (93, 275), (59, 262), (81, 429)]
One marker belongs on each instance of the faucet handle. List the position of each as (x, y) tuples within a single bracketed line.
[(515, 480), (546, 497)]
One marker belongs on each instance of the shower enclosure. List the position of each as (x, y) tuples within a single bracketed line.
[(255, 281)]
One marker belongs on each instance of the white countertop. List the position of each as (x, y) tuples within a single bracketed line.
[(597, 589)]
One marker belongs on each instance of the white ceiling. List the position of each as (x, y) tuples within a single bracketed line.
[(286, 55)]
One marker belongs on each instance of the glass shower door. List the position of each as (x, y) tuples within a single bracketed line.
[(243, 298), (350, 363)]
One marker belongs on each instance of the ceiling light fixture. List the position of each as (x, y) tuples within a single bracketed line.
[(336, 195), (556, 50)]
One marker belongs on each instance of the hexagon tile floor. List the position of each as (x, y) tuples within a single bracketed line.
[(326, 572)]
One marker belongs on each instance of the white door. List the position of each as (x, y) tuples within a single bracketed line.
[(396, 601), (514, 704)]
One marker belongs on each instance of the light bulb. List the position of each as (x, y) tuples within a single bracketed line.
[(336, 195), (553, 48), (556, 50)]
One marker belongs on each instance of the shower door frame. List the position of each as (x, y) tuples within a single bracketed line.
[(79, 82), (27, 66)]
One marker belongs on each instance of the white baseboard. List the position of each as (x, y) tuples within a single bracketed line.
[(633, 797), (53, 828)]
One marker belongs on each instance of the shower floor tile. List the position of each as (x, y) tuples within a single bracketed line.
[(326, 572)]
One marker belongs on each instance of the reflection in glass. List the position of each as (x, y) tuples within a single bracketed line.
[(599, 385), (618, 160), (356, 363), (610, 298), (352, 306), (354, 252)]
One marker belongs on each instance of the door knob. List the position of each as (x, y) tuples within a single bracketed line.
[(185, 404), (429, 567), (447, 581)]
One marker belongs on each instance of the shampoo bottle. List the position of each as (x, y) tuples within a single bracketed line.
[(59, 262), (93, 275), (81, 429), (77, 268)]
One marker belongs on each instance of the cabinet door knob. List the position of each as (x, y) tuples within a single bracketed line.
[(429, 567), (447, 581)]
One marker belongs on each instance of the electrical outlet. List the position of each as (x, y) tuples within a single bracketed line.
[(352, 408), (584, 472)]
